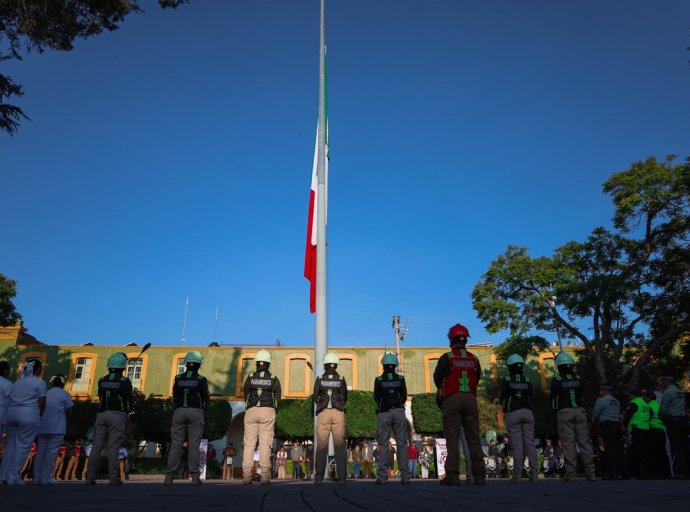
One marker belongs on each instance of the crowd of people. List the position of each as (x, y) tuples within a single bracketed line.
[(649, 439)]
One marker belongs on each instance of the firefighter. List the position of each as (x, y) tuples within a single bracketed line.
[(456, 377)]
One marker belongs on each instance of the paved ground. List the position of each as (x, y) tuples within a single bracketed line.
[(148, 495)]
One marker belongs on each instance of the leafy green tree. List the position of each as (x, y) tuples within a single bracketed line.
[(8, 291), (295, 419), (522, 345), (150, 421), (80, 418), (361, 415), (427, 417), (631, 286), (37, 25), (218, 415)]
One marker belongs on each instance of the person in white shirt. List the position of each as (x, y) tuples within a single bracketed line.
[(27, 402), (5, 392), (51, 431)]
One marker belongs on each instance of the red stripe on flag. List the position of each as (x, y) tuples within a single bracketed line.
[(310, 254)]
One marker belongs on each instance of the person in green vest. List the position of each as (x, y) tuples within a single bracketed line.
[(515, 395), (573, 432), (636, 420), (114, 403), (661, 467), (190, 397)]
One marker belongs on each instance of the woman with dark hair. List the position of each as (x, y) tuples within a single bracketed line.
[(51, 431), (27, 403)]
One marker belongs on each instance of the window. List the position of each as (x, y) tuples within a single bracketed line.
[(297, 380), (82, 375), (430, 362), (180, 366), (134, 371)]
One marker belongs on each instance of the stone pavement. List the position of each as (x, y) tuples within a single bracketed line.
[(147, 494)]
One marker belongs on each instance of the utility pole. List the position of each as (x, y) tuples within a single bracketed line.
[(400, 333)]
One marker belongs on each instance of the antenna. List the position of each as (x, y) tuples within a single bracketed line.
[(184, 322), (215, 327)]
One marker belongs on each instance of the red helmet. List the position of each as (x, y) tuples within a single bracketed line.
[(458, 330)]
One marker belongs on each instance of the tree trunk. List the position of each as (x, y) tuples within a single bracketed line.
[(600, 365)]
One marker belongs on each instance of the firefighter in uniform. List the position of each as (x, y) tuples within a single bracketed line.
[(390, 395), (190, 396), (262, 392), (515, 395), (330, 396), (566, 401), (672, 412), (115, 401), (456, 377), (606, 414)]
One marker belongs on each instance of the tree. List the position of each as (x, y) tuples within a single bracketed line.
[(362, 422), (218, 416), (37, 25), (295, 419), (8, 313), (631, 286), (150, 421)]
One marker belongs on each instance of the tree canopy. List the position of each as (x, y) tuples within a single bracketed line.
[(38, 25), (8, 291), (630, 285)]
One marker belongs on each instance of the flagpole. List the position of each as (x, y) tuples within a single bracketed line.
[(321, 342), (321, 345)]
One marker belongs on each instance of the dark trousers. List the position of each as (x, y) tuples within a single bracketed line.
[(677, 431), (611, 434), (657, 448), (641, 461)]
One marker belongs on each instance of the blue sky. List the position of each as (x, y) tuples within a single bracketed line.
[(172, 159)]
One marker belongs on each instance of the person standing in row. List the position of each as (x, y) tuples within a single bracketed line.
[(637, 418), (5, 393), (606, 414), (262, 391), (566, 401), (367, 457), (27, 403), (228, 455), (330, 397), (661, 467), (390, 395), (51, 431), (672, 413), (456, 377), (515, 395), (190, 396), (115, 402)]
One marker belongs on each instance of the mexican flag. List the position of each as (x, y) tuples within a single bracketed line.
[(310, 252)]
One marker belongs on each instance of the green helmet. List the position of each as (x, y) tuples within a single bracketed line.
[(515, 359), (389, 358), (118, 361), (263, 356), (193, 357), (564, 358), (331, 358)]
